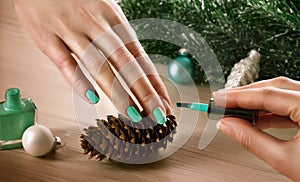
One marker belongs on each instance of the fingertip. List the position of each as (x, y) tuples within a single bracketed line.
[(159, 115), (220, 97), (133, 114), (157, 109), (218, 125)]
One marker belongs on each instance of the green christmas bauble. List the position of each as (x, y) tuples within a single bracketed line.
[(181, 70)]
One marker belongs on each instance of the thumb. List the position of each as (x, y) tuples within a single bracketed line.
[(264, 146)]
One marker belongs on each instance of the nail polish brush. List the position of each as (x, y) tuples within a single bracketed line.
[(217, 112)]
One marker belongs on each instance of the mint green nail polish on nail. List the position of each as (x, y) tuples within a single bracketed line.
[(159, 116), (134, 114), (92, 96)]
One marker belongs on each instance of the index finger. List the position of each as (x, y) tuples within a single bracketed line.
[(278, 101), (278, 82)]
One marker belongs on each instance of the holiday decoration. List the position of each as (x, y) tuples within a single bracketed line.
[(38, 140), (244, 72), (148, 136), (181, 69), (231, 28)]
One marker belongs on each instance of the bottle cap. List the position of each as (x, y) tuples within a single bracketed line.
[(184, 52), (13, 99)]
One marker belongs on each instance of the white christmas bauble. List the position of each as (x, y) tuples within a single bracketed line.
[(38, 140)]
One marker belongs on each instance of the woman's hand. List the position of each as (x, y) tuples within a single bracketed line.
[(98, 33), (280, 98)]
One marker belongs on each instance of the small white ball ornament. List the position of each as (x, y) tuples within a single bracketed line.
[(38, 140)]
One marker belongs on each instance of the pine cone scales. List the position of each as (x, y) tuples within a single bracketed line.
[(123, 140)]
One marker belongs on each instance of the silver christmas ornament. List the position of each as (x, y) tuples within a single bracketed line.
[(245, 71)]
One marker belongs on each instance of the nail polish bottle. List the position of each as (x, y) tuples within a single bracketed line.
[(16, 115)]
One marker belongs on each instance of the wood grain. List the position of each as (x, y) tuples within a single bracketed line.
[(23, 66)]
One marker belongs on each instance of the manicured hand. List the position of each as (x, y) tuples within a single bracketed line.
[(280, 99), (98, 33)]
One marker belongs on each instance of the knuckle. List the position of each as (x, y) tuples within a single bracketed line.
[(110, 7), (105, 3), (62, 20), (245, 140), (150, 101), (266, 92), (136, 49), (62, 61), (148, 97), (139, 53), (123, 57), (281, 81), (77, 82), (42, 40)]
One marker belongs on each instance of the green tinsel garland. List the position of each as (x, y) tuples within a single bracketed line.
[(232, 28)]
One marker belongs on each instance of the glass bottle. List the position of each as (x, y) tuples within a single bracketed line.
[(16, 115)]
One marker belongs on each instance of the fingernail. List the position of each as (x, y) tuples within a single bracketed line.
[(219, 96), (159, 116), (92, 96), (218, 125), (134, 114)]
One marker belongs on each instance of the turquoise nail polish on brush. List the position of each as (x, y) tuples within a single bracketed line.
[(92, 96), (218, 112), (134, 114), (159, 116), (194, 106)]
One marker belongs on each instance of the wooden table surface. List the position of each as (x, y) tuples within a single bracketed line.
[(22, 65)]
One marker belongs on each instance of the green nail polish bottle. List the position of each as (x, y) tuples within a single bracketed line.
[(16, 115)]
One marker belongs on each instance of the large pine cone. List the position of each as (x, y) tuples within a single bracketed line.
[(123, 140)]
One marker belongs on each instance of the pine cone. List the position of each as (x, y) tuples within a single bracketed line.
[(121, 139)]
